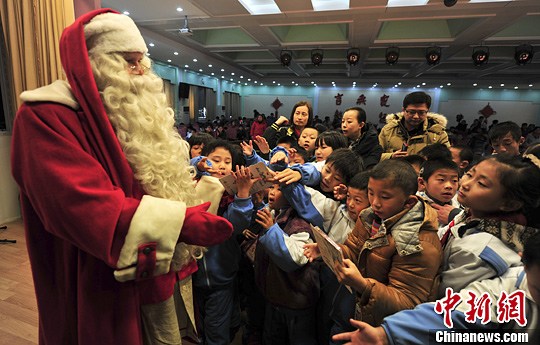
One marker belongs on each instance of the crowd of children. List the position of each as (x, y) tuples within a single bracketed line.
[(408, 228)]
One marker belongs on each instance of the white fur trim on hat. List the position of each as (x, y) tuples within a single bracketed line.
[(113, 32)]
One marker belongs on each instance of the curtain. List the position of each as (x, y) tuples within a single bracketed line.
[(32, 30), (211, 103), (232, 104), (168, 88)]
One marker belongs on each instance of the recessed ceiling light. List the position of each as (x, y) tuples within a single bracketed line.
[(260, 7), (239, 82), (241, 77), (448, 84), (423, 83), (222, 77), (418, 85), (441, 86), (194, 60), (278, 84), (399, 83), (212, 73), (222, 70), (179, 9), (168, 60), (515, 87), (474, 84), (249, 79), (255, 82), (210, 65), (200, 69), (502, 84), (186, 66), (151, 44), (126, 13), (175, 53), (530, 85), (231, 79), (490, 87), (232, 73), (245, 84)]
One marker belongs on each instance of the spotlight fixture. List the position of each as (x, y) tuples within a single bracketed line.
[(285, 57), (353, 56), (449, 3), (433, 55), (524, 54), (480, 55), (316, 56), (392, 55)]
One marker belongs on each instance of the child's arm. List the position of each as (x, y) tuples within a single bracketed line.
[(285, 251), (250, 155), (202, 165), (239, 211), (306, 174), (312, 205)]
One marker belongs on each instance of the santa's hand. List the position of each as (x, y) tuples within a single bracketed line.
[(202, 228)]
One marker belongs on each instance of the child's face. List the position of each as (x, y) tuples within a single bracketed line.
[(349, 124), (322, 152), (481, 190), (276, 200), (357, 200), (507, 144), (221, 160), (307, 138), (330, 178), (442, 185), (386, 199), (296, 159), (196, 150)]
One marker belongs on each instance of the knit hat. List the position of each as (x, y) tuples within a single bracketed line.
[(113, 32)]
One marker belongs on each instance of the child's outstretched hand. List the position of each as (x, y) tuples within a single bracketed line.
[(311, 251), (244, 182), (288, 176), (264, 218), (204, 165), (340, 192), (247, 148), (347, 273), (262, 144), (278, 157)]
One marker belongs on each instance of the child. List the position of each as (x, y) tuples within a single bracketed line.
[(326, 143), (401, 329), (214, 282), (506, 137), (288, 282), (196, 143), (394, 245), (438, 184), (363, 137), (307, 139), (463, 156), (502, 196)]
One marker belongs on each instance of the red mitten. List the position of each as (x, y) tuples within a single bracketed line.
[(204, 229)]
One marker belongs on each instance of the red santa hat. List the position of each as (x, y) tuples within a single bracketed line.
[(113, 32)]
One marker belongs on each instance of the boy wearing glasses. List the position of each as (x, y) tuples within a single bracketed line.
[(413, 129)]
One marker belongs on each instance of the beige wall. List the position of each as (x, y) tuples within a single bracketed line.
[(9, 192)]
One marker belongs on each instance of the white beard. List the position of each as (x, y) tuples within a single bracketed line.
[(144, 124)]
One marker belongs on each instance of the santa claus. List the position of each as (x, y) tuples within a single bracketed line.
[(107, 195)]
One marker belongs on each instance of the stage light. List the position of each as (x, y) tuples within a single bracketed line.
[(449, 3), (392, 55), (524, 54), (480, 55), (285, 57), (316, 56), (433, 55), (353, 56)]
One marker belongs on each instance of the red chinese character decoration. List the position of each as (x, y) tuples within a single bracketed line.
[(338, 98), (509, 307), (384, 100), (512, 307), (480, 308), (445, 306), (361, 100)]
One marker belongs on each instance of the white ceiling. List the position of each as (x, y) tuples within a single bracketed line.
[(228, 37)]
